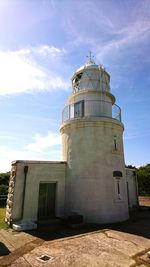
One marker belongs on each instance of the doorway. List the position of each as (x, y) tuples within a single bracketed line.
[(47, 199)]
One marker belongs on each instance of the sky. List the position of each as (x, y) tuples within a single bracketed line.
[(42, 43)]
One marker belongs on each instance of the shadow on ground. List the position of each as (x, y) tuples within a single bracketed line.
[(138, 224), (3, 249)]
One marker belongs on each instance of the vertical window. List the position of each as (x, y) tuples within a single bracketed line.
[(118, 188), (117, 185), (115, 142), (79, 109)]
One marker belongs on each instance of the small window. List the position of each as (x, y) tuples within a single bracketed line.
[(78, 77), (79, 109), (117, 174), (76, 82)]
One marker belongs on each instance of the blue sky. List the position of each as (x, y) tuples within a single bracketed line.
[(42, 42)]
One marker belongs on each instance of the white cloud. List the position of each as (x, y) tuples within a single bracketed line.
[(22, 70), (43, 148), (44, 142), (46, 50), (43, 50)]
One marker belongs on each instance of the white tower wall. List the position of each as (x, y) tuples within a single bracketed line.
[(91, 159), (92, 146)]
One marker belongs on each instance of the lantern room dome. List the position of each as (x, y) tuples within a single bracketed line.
[(90, 76)]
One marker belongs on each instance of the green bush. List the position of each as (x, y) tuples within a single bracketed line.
[(4, 181), (3, 189), (4, 178), (143, 174)]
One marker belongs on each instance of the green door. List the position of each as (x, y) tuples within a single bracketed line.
[(46, 205)]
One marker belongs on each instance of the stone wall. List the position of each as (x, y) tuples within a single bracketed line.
[(10, 196)]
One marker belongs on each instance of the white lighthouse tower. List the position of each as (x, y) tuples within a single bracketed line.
[(92, 146), (91, 179)]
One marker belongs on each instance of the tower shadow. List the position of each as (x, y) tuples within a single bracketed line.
[(138, 224)]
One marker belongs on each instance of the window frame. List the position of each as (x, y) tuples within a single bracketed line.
[(79, 109)]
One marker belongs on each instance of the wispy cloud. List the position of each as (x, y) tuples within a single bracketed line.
[(107, 27), (136, 135), (21, 70), (128, 35)]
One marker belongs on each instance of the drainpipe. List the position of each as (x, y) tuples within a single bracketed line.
[(128, 195), (136, 188), (24, 189)]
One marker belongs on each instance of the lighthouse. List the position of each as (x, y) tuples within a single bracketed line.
[(91, 179), (92, 147)]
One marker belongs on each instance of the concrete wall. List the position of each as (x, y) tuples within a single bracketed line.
[(38, 171), (91, 189), (132, 187), (91, 95)]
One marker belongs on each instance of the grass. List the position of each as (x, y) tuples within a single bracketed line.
[(3, 225)]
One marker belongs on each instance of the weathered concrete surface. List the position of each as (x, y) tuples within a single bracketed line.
[(106, 248), (13, 245), (14, 240)]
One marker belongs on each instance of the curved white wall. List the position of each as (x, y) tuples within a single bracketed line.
[(91, 190)]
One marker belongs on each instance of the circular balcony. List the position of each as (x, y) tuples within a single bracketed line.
[(91, 108)]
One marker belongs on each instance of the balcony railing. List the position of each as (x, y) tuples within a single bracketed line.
[(91, 108)]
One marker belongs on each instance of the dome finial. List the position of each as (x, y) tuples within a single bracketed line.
[(90, 58)]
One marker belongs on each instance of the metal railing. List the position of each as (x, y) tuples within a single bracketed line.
[(91, 108)]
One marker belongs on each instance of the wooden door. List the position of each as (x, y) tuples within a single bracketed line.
[(47, 197)]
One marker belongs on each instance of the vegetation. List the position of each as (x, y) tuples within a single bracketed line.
[(3, 225), (4, 181), (130, 167), (143, 174)]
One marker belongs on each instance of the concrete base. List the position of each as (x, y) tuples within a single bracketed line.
[(24, 226)]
